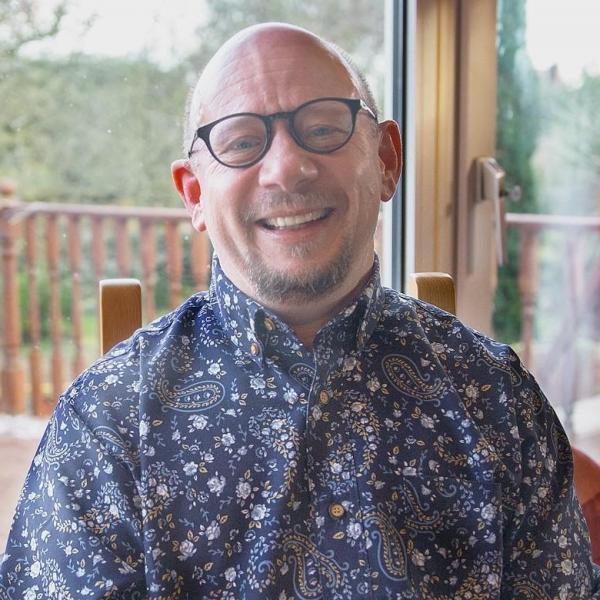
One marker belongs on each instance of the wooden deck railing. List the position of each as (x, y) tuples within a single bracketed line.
[(52, 258), (53, 255), (574, 242)]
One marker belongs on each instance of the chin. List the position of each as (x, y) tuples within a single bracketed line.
[(276, 285)]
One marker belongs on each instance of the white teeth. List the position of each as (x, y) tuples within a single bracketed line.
[(281, 222)]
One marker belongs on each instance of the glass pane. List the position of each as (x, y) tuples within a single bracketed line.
[(548, 137), (92, 97)]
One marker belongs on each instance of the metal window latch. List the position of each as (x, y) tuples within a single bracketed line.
[(490, 185)]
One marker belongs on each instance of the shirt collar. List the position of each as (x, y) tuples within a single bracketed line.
[(259, 334)]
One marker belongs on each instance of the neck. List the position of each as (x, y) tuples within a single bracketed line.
[(306, 318)]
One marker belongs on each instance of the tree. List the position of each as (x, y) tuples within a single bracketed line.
[(22, 21), (518, 127), (357, 26)]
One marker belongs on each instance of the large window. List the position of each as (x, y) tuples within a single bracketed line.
[(92, 102), (548, 141)]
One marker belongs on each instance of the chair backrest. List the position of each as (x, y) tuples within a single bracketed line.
[(435, 288), (120, 307), (120, 303)]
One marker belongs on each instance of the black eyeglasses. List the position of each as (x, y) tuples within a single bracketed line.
[(323, 126)]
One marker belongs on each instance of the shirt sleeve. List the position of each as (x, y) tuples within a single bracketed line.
[(77, 529), (547, 546)]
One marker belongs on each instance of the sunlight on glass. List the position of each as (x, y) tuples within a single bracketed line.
[(549, 142)]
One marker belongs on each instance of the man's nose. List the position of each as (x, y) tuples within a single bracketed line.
[(286, 165)]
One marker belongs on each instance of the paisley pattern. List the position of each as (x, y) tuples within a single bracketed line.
[(192, 398), (405, 456), (405, 376)]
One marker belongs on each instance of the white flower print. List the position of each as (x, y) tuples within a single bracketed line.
[(190, 468), (259, 512), (198, 421), (213, 531), (186, 550), (243, 489), (353, 530), (257, 382), (228, 439), (214, 368), (216, 484)]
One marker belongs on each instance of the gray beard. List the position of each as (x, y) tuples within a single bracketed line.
[(279, 286), (273, 285)]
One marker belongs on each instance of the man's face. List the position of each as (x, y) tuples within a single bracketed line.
[(296, 223)]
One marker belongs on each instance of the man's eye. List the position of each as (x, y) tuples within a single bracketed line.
[(242, 144), (320, 131)]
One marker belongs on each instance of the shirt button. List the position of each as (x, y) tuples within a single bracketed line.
[(336, 511), (269, 325), (324, 397), (254, 349)]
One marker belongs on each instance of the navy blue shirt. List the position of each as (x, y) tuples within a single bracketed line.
[(213, 456)]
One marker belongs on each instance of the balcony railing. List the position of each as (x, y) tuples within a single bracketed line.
[(54, 254), (559, 275), (52, 258)]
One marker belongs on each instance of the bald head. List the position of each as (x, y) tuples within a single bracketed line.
[(244, 54)]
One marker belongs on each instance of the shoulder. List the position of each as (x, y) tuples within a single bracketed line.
[(444, 332), (500, 395), (107, 393)]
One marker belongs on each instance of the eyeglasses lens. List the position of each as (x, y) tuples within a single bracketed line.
[(238, 140), (322, 126)]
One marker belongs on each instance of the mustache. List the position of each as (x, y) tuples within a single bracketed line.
[(268, 202)]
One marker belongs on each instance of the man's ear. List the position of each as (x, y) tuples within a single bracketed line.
[(390, 157), (188, 187)]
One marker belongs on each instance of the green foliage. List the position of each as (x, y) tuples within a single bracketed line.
[(356, 26), (91, 130), (518, 127), (570, 151)]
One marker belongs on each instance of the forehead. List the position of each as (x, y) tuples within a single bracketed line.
[(270, 73)]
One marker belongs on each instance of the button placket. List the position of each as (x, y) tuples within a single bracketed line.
[(335, 496)]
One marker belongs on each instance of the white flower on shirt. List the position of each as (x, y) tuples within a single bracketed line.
[(353, 530), (243, 489), (198, 421), (213, 531), (35, 569), (259, 512), (186, 549), (214, 368), (216, 484), (228, 439)]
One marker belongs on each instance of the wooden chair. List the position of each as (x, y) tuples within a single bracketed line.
[(120, 303), (120, 308), (121, 314)]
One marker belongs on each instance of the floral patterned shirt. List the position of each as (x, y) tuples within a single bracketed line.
[(213, 456)]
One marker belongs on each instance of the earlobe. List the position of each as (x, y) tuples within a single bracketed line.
[(390, 158), (188, 188)]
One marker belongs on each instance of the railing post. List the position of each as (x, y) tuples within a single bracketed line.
[(53, 256), (39, 400), (527, 289), (174, 262), (12, 374), (148, 254)]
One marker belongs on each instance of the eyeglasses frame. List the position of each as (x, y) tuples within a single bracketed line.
[(354, 104)]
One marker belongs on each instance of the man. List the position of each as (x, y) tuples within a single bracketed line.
[(298, 431)]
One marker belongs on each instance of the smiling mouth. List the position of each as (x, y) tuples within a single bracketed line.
[(296, 221)]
